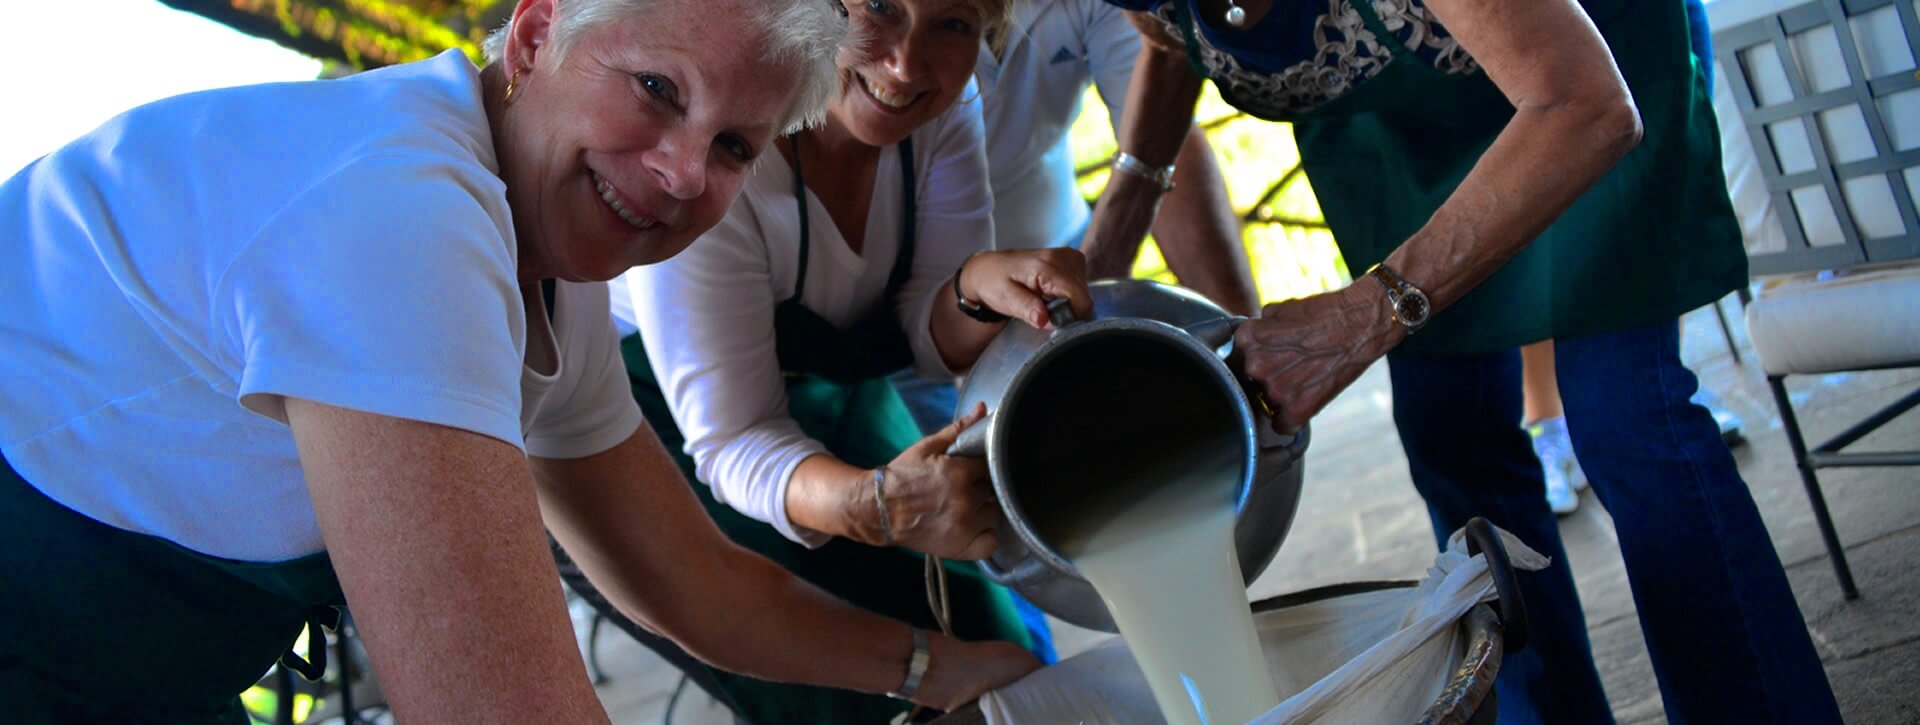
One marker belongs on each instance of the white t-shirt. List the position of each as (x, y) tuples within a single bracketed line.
[(182, 269), (1031, 96), (707, 315)]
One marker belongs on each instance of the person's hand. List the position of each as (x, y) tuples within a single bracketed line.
[(960, 672), (1301, 353), (1018, 282), (939, 504)]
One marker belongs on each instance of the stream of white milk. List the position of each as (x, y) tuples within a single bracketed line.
[(1163, 559)]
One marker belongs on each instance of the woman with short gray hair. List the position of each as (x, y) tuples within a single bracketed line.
[(276, 349)]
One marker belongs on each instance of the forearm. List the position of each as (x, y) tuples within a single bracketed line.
[(631, 523), (833, 497), (742, 613), (959, 338), (437, 541), (1159, 114), (1574, 120), (816, 639), (1538, 166), (1199, 234)]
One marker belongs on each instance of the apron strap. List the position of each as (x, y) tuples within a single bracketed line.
[(549, 289), (800, 200), (1379, 29), (314, 665), (902, 260), (1187, 33)]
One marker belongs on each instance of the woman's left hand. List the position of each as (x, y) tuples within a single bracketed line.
[(1018, 282), (1301, 353), (959, 672)]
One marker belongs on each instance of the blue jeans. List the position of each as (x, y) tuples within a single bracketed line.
[(1727, 640)]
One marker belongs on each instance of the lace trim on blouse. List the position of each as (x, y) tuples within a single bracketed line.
[(1346, 54)]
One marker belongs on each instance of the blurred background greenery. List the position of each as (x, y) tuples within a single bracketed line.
[(1288, 244)]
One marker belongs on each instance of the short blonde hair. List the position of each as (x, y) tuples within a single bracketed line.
[(996, 22), (803, 34)]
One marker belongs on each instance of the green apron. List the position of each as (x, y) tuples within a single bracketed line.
[(98, 624), (1654, 238), (837, 390)]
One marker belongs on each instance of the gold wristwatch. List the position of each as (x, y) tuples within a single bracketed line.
[(1406, 302)]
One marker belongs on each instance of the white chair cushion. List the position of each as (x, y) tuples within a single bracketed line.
[(1856, 322)]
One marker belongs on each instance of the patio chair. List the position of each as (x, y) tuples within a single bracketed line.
[(1828, 94)]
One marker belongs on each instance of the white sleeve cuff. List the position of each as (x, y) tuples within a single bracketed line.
[(754, 482)]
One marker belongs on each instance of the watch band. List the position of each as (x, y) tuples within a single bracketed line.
[(1129, 163), (916, 667), (972, 308), (1405, 302)]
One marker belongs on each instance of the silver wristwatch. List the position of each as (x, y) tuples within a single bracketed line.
[(916, 667), (1406, 302)]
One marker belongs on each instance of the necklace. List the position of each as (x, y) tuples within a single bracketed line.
[(1236, 15)]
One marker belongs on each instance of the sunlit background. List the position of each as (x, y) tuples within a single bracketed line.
[(73, 64)]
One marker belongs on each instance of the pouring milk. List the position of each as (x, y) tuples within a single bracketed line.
[(1160, 551)]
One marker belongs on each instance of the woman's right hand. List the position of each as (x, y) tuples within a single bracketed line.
[(1018, 282), (959, 672), (939, 504)]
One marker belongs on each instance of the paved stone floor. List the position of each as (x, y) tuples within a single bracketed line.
[(1360, 519)]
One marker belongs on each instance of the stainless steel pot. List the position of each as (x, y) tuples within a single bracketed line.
[(1078, 408)]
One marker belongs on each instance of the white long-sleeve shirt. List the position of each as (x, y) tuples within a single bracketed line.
[(707, 315)]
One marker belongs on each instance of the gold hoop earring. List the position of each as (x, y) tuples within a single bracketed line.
[(511, 84)]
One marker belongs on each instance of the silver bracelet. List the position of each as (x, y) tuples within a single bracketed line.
[(1131, 164), (916, 667), (880, 502)]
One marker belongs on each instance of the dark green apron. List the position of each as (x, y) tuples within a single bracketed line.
[(98, 624), (1654, 238), (837, 390)]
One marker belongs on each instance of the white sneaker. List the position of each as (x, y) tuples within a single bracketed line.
[(1729, 423), (1565, 480)]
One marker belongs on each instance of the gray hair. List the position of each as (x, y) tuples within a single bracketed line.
[(802, 34)]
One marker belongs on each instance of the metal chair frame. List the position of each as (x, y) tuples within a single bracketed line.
[(1852, 249)]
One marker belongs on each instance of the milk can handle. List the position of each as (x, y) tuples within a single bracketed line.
[(1060, 311), (1481, 538), (1217, 332), (972, 442)]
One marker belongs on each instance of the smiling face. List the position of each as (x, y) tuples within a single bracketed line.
[(636, 142), (916, 59)]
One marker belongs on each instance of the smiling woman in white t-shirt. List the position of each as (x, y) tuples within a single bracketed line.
[(863, 248), (278, 348)]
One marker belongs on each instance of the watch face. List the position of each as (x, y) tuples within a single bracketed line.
[(1413, 308)]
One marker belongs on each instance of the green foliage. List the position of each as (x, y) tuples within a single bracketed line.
[(362, 34), (1287, 240)]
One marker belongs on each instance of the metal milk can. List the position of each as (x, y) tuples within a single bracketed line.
[(1141, 386)]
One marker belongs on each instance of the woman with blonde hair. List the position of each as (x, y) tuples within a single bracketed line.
[(864, 247)]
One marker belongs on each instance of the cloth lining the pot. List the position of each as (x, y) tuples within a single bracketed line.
[(1378, 656)]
